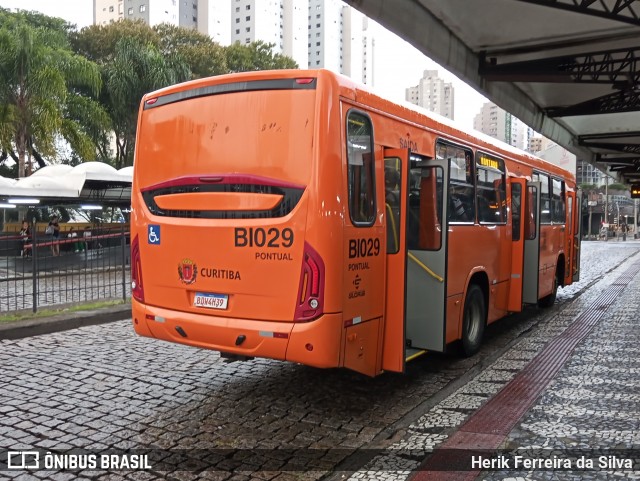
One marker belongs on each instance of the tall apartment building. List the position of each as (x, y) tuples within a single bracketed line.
[(539, 143), (500, 124), (216, 22), (282, 23), (185, 13), (315, 33), (588, 174), (368, 53), (432, 93)]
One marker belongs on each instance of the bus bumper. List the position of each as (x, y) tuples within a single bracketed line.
[(315, 343)]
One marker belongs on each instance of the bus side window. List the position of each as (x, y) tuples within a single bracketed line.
[(360, 172), (545, 197), (392, 203), (530, 214), (424, 216), (557, 201), (516, 199), (461, 204)]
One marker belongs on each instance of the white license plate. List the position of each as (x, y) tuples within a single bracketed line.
[(210, 300)]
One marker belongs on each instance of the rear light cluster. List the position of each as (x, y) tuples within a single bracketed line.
[(137, 290), (310, 300)]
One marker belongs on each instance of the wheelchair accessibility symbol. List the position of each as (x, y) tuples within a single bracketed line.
[(153, 234)]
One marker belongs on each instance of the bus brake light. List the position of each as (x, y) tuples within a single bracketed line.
[(306, 80), (137, 290), (311, 291)]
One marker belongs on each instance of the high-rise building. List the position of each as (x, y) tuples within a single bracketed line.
[(282, 23), (432, 93), (538, 143), (315, 33), (588, 174), (500, 124), (216, 21), (184, 13), (368, 53), (351, 43)]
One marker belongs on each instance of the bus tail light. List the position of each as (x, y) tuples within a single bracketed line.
[(137, 290), (310, 300)]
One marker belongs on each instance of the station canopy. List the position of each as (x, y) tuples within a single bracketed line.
[(570, 69), (92, 183)]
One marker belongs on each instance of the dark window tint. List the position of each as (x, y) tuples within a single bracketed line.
[(461, 196), (491, 193), (516, 207), (558, 212), (424, 214), (545, 197), (393, 191), (362, 207)]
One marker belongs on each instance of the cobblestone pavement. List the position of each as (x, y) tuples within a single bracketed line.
[(591, 408), (101, 387)]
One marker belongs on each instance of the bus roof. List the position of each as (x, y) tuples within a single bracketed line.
[(405, 110)]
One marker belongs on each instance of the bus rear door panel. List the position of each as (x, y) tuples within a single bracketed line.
[(576, 232), (518, 188), (363, 247), (396, 197), (530, 277), (426, 254)]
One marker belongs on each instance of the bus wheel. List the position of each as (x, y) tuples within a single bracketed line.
[(474, 320), (550, 300)]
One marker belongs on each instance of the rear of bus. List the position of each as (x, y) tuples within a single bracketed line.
[(228, 250)]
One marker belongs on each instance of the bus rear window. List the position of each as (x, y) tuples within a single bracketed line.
[(360, 175)]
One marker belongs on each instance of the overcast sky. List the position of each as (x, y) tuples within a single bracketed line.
[(394, 72)]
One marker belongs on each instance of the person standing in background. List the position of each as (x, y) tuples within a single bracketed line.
[(54, 229)]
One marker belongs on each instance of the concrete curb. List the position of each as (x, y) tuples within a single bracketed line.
[(63, 322)]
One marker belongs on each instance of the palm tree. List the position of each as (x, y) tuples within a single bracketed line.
[(39, 78), (136, 68)]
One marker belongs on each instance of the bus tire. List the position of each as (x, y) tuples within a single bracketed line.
[(548, 301), (474, 320)]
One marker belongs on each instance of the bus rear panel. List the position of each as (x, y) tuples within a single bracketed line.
[(220, 254)]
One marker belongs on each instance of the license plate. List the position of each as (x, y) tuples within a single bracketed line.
[(210, 300)]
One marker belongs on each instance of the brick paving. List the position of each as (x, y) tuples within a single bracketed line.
[(101, 388), (591, 408)]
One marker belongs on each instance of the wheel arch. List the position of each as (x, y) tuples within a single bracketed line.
[(479, 277)]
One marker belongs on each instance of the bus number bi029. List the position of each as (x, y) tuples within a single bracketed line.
[(259, 237), (364, 247)]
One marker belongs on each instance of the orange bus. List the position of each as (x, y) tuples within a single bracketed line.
[(295, 215)]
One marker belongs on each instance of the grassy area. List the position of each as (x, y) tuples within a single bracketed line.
[(89, 306)]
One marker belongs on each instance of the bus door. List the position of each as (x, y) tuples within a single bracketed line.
[(416, 258), (517, 212), (426, 256), (577, 235), (396, 182), (568, 237), (531, 221)]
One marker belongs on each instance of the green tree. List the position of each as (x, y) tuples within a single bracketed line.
[(204, 57), (136, 69), (256, 56), (136, 59), (98, 42), (40, 78)]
